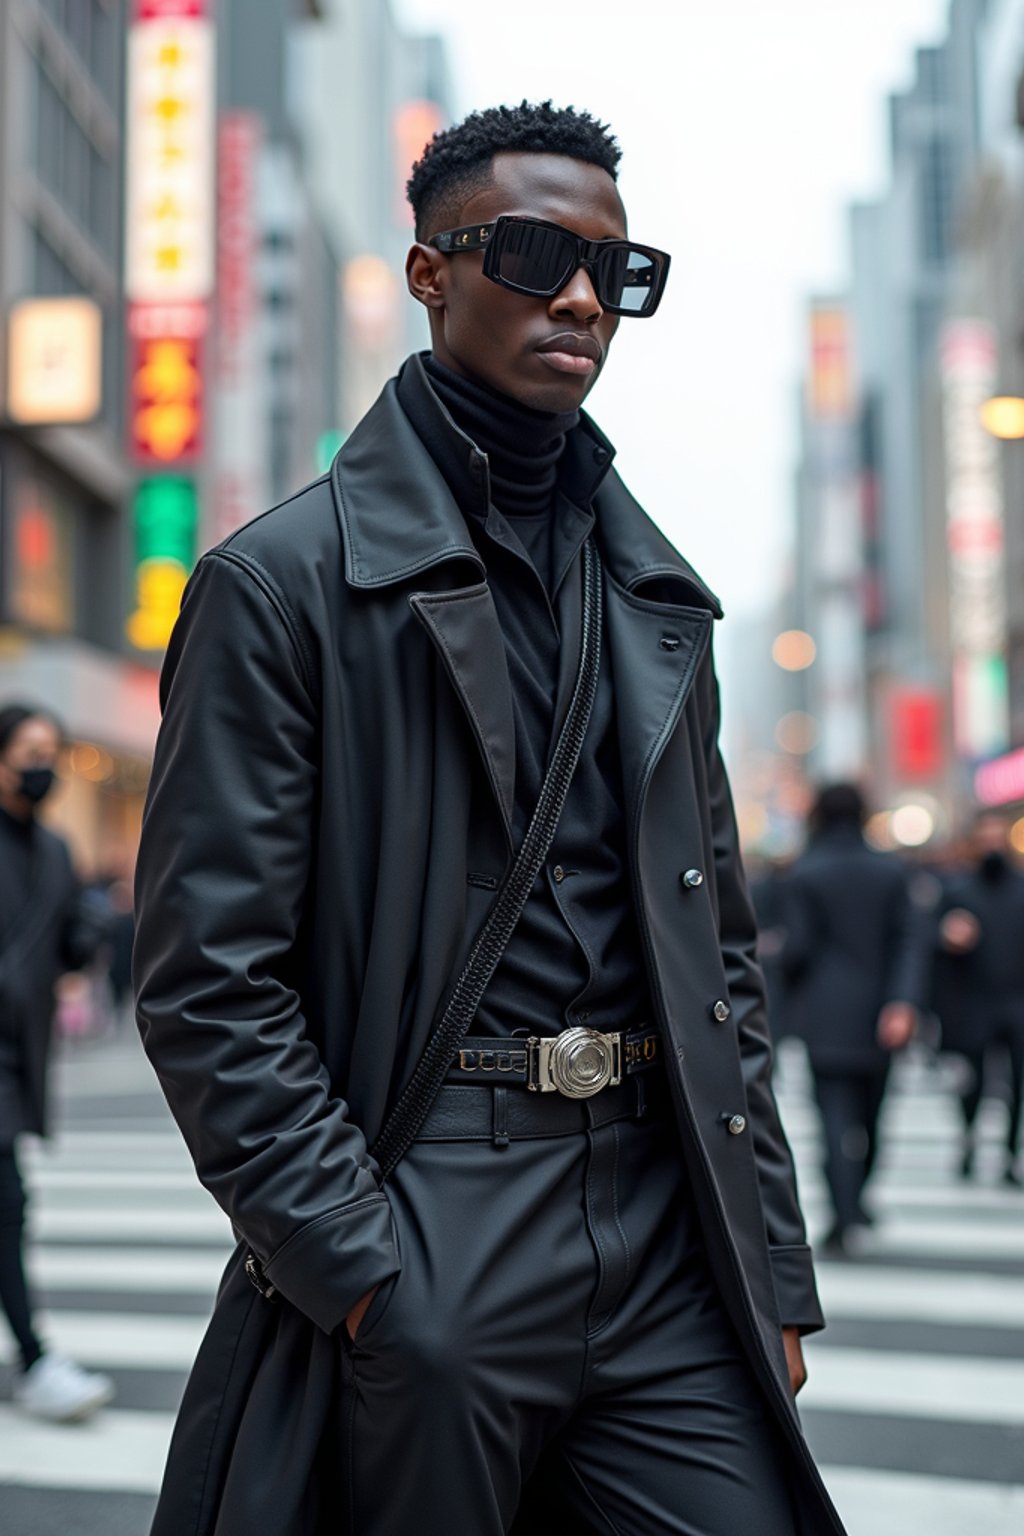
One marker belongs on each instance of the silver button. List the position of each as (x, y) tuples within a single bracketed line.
[(737, 1125), (559, 874), (693, 878), (721, 1011)]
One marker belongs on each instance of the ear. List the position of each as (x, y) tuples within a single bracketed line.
[(425, 275)]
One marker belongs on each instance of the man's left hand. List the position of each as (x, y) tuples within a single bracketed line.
[(794, 1358), (896, 1025)]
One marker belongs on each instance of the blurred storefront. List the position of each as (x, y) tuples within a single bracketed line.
[(201, 242), (63, 475)]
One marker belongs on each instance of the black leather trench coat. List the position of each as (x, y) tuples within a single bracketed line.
[(335, 761)]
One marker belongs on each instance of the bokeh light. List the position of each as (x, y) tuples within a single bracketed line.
[(794, 650)]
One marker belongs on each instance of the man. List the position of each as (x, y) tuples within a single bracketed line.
[(561, 1311), (43, 932), (980, 978), (853, 958)]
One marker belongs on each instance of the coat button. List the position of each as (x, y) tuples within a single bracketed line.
[(559, 874), (692, 879), (737, 1125), (721, 1011)]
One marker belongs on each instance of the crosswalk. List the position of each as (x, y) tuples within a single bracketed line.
[(915, 1403)]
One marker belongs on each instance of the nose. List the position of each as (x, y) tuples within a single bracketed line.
[(577, 299)]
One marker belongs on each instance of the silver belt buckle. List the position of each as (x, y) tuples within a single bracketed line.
[(577, 1063)]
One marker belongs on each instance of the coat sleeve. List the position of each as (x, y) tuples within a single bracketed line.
[(912, 927), (222, 878), (790, 1253)]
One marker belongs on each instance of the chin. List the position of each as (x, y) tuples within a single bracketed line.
[(558, 395)]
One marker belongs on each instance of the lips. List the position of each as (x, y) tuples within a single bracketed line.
[(571, 352)]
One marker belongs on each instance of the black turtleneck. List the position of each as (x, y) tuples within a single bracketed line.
[(523, 446), (524, 451), (574, 956)]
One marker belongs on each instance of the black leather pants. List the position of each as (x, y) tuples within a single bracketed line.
[(553, 1355)]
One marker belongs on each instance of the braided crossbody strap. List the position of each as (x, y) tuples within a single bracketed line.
[(405, 1120), (407, 1117)]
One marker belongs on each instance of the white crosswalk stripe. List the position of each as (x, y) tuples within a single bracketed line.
[(915, 1403)]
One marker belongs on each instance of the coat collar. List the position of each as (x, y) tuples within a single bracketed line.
[(399, 518)]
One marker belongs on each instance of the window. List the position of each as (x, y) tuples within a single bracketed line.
[(102, 213), (938, 168), (103, 50), (50, 273), (72, 168), (49, 115)]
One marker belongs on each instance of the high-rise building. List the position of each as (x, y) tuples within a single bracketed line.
[(873, 524), (987, 301), (281, 265), (368, 96), (63, 472)]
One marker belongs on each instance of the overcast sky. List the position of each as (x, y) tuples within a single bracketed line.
[(746, 126)]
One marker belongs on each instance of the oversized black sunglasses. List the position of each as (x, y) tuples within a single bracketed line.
[(538, 258)]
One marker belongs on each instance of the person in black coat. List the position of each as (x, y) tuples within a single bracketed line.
[(853, 961), (43, 932), (359, 702), (980, 978)]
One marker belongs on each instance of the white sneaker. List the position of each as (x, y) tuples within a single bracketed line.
[(56, 1388)]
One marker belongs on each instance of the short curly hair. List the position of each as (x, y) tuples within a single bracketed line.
[(456, 163)]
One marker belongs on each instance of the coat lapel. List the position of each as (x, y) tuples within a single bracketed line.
[(399, 521), (655, 650), (464, 627)]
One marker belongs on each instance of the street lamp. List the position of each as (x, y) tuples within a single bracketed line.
[(1003, 417)]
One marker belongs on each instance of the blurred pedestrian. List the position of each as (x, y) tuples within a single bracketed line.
[(980, 980), (854, 960), (768, 895), (43, 933)]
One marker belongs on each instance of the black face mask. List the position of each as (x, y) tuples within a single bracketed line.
[(993, 865), (35, 784)]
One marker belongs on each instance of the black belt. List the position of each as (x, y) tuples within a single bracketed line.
[(489, 1111), (577, 1063)]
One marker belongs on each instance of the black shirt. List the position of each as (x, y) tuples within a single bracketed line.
[(575, 955)]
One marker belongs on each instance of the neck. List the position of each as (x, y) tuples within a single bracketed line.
[(523, 446)]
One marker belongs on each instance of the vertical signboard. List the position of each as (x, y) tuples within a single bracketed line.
[(169, 226), (239, 491), (974, 539), (169, 278), (165, 548), (165, 415), (834, 545), (829, 377)]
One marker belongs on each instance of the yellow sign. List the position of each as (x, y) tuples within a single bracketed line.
[(165, 516), (53, 361), (158, 587), (166, 399)]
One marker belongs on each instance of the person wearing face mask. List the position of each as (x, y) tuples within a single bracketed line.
[(981, 970), (42, 934)]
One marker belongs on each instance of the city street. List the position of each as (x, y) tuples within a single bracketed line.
[(915, 1405)]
